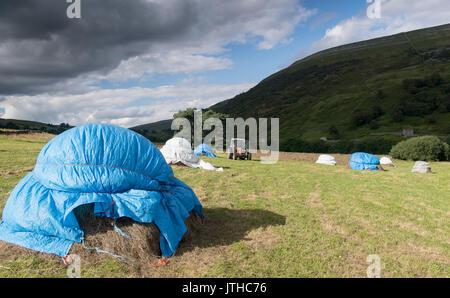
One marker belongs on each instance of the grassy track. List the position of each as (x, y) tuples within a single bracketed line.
[(290, 219)]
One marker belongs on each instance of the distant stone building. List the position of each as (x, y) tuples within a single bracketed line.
[(408, 132)]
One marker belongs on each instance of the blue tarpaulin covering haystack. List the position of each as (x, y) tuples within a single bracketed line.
[(204, 149), (364, 161), (118, 170)]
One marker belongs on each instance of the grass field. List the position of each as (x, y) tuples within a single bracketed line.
[(291, 219)]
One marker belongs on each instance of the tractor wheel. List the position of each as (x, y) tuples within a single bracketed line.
[(230, 155), (235, 155), (249, 156)]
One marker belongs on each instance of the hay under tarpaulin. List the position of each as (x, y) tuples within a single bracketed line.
[(142, 246)]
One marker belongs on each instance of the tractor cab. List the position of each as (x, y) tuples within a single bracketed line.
[(239, 149)]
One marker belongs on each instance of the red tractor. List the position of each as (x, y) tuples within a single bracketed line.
[(239, 149)]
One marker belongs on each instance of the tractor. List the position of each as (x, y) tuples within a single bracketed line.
[(239, 149)]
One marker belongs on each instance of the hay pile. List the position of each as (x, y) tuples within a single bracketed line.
[(421, 167), (326, 160), (142, 246), (386, 161)]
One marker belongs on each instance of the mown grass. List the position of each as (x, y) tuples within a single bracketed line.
[(289, 219)]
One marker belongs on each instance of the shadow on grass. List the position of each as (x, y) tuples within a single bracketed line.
[(222, 227), (225, 226)]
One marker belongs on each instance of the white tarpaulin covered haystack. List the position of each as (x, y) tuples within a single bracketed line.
[(178, 150), (326, 160), (421, 167), (386, 161)]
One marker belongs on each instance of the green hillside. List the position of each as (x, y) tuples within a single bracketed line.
[(26, 125), (156, 132), (365, 92)]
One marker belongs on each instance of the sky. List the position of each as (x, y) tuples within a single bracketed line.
[(139, 61)]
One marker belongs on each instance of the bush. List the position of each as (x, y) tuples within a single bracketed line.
[(373, 124), (380, 94), (443, 103), (448, 140), (333, 132), (397, 114), (377, 112), (360, 118), (421, 148), (430, 120), (415, 108), (12, 125), (434, 80)]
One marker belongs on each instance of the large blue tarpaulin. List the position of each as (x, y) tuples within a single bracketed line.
[(118, 170)]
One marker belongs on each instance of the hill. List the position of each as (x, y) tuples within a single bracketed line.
[(33, 126), (156, 132), (363, 94)]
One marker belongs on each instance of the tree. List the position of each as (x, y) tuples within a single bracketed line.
[(373, 124), (333, 132), (434, 80), (189, 114), (377, 112), (380, 94), (397, 114), (11, 125)]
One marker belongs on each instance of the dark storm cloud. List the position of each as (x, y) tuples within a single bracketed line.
[(40, 46)]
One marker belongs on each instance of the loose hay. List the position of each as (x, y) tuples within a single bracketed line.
[(178, 165), (142, 246)]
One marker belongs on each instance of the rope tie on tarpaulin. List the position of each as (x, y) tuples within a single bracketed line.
[(105, 252), (118, 230)]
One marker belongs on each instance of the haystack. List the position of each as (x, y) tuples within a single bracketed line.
[(386, 161), (421, 167), (120, 175), (178, 151), (130, 240), (326, 160), (204, 149), (364, 161)]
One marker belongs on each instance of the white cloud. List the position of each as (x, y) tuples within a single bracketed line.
[(124, 107), (220, 23), (271, 22), (396, 16), (166, 63)]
